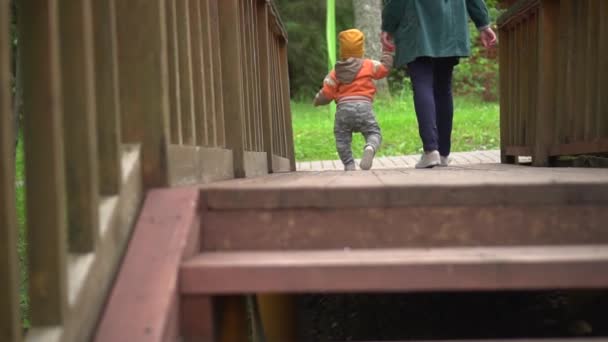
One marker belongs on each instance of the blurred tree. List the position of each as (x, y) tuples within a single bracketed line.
[(368, 19)]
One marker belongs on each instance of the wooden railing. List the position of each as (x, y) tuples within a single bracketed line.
[(121, 97), (554, 79)]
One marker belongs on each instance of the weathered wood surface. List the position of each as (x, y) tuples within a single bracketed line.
[(108, 96), (10, 323), (490, 204), (546, 113), (142, 56), (143, 305), (468, 269), (405, 162), (487, 184), (45, 163), (79, 122)]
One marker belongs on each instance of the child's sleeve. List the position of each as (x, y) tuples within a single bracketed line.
[(328, 92), (384, 66)]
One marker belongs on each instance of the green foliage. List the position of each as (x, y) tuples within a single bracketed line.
[(478, 75), (305, 21), (22, 238), (476, 127)]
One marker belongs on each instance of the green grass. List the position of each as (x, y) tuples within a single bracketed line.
[(22, 239), (476, 127)]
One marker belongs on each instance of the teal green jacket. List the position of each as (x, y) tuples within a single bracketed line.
[(432, 28)]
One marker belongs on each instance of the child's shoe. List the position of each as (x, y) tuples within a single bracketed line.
[(445, 161), (350, 167), (429, 160), (368, 158)]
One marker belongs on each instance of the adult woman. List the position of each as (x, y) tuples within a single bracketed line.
[(430, 37)]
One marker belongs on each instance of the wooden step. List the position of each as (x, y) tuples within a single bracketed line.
[(565, 339), (442, 269), (485, 205)]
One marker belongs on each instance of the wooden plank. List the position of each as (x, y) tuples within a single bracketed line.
[(208, 73), (399, 227), (90, 276), (175, 112), (518, 151), (601, 121), (43, 134), (524, 84), (256, 76), (291, 155), (505, 80), (198, 76), (563, 84), (547, 91), (436, 269), (496, 185), (144, 301), (143, 84), (186, 75), (108, 97), (232, 85), (199, 321), (582, 54), (10, 321), (265, 79), (577, 148), (592, 68), (199, 165), (220, 111), (79, 122), (567, 339), (247, 73)]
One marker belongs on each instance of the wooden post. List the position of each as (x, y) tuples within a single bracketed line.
[(547, 89), (44, 155), (505, 92), (78, 77), (278, 317), (592, 68), (232, 85), (198, 76), (209, 73), (142, 55), (174, 76), (265, 79), (185, 70), (246, 62), (284, 63), (108, 97), (10, 323), (257, 77), (602, 87), (218, 78)]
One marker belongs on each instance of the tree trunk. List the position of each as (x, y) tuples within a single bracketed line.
[(368, 19)]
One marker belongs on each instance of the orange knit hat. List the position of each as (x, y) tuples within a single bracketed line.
[(352, 44)]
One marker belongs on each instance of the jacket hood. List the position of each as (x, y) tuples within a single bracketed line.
[(347, 71)]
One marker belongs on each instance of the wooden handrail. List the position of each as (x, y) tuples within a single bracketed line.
[(121, 97), (553, 79)]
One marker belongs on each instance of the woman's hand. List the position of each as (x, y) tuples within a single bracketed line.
[(488, 37), (387, 41)]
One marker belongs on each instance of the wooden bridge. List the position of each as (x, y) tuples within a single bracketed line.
[(161, 192)]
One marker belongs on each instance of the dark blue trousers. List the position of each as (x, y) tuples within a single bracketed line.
[(432, 83)]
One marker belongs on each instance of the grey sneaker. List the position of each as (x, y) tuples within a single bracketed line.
[(368, 158), (429, 160), (350, 167), (445, 161)]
